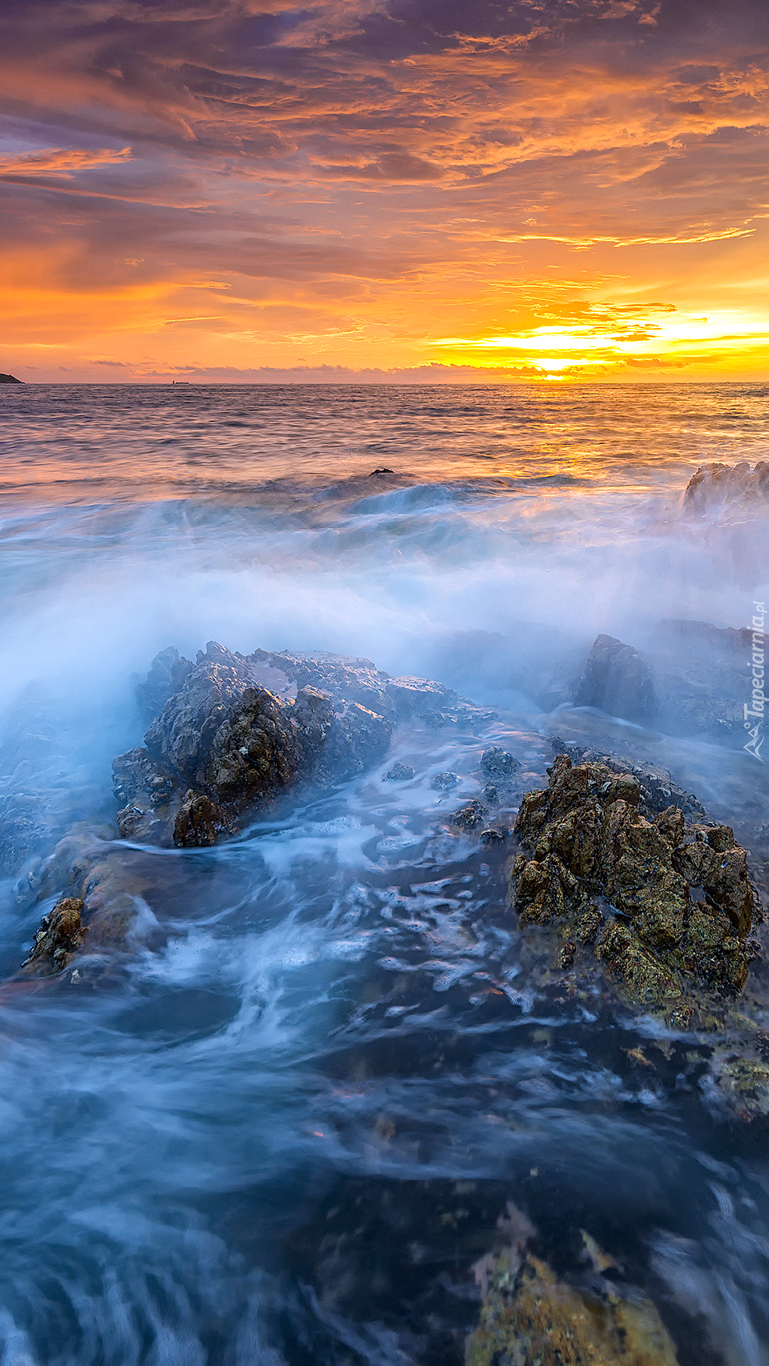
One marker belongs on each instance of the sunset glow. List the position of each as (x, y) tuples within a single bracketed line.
[(248, 189)]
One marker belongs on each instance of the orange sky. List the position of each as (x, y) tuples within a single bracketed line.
[(428, 189)]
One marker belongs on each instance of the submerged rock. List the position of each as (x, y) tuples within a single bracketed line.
[(533, 1317), (445, 782), (471, 816), (666, 904), (399, 773)]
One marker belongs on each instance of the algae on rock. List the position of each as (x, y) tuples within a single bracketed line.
[(532, 1317), (666, 903)]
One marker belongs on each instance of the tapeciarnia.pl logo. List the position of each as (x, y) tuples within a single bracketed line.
[(755, 709)]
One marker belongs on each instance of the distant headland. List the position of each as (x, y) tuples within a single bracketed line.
[(10, 379)]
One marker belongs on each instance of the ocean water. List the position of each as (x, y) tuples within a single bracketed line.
[(284, 1128)]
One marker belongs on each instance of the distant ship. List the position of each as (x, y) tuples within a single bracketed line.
[(180, 381)]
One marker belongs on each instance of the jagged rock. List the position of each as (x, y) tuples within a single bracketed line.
[(199, 821), (498, 765), (471, 816), (668, 903), (346, 679), (59, 937), (399, 773), (718, 485), (444, 782), (240, 730), (225, 745), (618, 681), (168, 673), (658, 790)]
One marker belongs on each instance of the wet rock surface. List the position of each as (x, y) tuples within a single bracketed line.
[(58, 939), (531, 1316), (399, 773), (717, 485), (236, 732), (664, 903), (226, 744)]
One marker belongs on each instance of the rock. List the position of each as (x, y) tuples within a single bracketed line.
[(658, 791), (58, 939), (242, 730), (617, 680), (225, 746), (399, 773), (168, 673), (669, 902), (716, 485), (444, 782), (471, 816), (498, 766), (381, 469), (493, 835), (419, 697), (690, 681), (21, 829), (531, 1316), (199, 821), (701, 677), (10, 379), (345, 678)]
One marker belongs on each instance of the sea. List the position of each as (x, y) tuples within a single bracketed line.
[(284, 1126)]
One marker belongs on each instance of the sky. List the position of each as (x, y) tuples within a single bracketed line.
[(385, 190)]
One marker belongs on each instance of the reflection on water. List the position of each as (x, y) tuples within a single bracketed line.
[(283, 1129)]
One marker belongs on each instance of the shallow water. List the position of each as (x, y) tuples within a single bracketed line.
[(283, 1129)]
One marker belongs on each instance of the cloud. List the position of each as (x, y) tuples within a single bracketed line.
[(360, 178), (62, 161)]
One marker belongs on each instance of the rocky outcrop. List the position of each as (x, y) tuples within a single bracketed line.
[(716, 485), (167, 675), (665, 904), (234, 732), (617, 680), (10, 379), (531, 1316), (225, 745), (691, 680)]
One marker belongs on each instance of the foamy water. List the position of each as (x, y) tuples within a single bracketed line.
[(284, 1128)]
